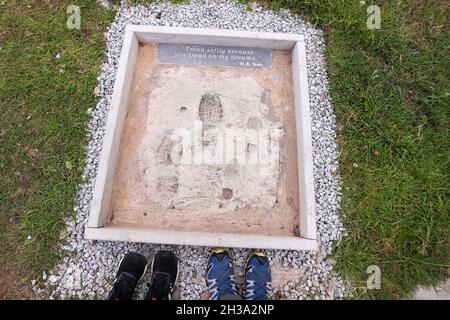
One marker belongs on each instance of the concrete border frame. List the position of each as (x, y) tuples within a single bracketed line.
[(97, 226)]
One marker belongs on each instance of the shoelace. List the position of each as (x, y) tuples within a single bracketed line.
[(123, 287), (225, 287), (260, 290)]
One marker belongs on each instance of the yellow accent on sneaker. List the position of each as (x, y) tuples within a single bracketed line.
[(259, 254), (219, 250), (255, 253)]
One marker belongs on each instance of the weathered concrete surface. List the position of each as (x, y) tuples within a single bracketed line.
[(441, 292), (155, 188)]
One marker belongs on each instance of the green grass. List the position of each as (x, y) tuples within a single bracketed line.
[(389, 88), (43, 104)]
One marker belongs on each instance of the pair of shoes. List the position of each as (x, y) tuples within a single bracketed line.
[(164, 271), (220, 276), (132, 269)]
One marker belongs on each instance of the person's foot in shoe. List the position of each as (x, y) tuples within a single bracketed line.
[(258, 277), (132, 268), (220, 276), (164, 276)]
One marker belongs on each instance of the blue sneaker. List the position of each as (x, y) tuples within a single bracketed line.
[(220, 275), (258, 277)]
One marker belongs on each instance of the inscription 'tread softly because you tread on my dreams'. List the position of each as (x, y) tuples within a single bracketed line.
[(245, 57)]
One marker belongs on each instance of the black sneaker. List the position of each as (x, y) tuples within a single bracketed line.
[(164, 276), (132, 268)]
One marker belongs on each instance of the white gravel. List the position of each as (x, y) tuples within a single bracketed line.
[(88, 267)]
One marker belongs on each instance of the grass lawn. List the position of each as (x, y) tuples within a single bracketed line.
[(43, 103), (390, 91)]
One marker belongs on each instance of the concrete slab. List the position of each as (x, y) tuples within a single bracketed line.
[(440, 292), (152, 186), (176, 170)]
